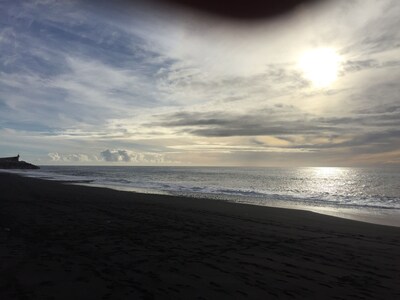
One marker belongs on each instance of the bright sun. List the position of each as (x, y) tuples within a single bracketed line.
[(320, 66)]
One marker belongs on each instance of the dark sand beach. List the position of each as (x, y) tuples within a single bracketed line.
[(60, 241)]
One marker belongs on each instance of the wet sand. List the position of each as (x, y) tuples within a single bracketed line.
[(60, 241)]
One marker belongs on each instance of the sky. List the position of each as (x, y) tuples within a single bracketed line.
[(85, 82)]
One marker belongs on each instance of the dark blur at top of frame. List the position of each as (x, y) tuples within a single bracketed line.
[(236, 10)]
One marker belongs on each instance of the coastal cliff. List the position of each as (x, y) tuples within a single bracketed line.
[(15, 163)]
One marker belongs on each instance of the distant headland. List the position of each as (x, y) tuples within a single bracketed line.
[(14, 163)]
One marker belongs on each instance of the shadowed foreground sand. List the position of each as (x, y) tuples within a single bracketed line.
[(71, 242)]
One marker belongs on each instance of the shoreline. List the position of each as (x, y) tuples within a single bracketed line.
[(373, 215), (69, 241)]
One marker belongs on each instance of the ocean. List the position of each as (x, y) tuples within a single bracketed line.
[(360, 188)]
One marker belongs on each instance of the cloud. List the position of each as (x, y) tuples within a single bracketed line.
[(254, 123), (122, 155), (115, 155), (57, 60), (110, 156), (83, 75), (287, 128), (57, 157), (360, 65)]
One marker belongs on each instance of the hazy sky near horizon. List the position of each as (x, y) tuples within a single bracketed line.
[(82, 82)]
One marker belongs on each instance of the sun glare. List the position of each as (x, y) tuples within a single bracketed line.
[(320, 66)]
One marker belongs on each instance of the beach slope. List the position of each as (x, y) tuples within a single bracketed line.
[(60, 241)]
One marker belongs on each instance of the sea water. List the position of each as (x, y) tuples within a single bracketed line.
[(315, 187)]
